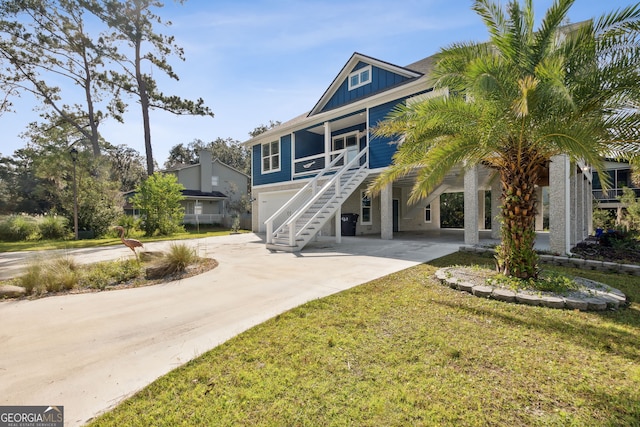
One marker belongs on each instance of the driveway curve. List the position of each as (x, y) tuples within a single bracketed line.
[(88, 352)]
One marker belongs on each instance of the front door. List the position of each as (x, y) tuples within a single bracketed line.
[(346, 142)]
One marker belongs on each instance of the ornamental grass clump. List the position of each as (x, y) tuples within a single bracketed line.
[(55, 275), (176, 260)]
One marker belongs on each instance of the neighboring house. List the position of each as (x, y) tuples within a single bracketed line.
[(309, 172), (212, 190), (619, 178)]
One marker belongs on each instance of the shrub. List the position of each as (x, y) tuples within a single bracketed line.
[(128, 222), (52, 227), (111, 273), (17, 227), (619, 239), (158, 199)]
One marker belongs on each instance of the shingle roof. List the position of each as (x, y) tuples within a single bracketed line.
[(197, 193), (423, 66)]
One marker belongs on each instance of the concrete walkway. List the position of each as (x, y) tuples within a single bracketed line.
[(88, 352)]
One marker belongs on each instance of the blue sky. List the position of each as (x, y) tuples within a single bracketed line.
[(256, 61)]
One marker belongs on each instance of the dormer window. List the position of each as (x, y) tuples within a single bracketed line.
[(360, 77)]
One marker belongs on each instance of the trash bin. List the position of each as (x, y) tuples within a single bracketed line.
[(349, 221)]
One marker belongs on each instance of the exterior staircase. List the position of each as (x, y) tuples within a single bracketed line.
[(304, 215)]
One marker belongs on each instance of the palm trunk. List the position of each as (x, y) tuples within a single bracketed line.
[(515, 256)]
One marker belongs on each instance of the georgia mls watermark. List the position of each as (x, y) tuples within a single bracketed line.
[(31, 416)]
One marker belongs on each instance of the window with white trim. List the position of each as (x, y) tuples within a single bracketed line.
[(365, 208), (271, 156), (427, 213), (215, 180), (360, 77), (345, 140)]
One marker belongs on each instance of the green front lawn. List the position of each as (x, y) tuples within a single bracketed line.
[(38, 245), (406, 350)]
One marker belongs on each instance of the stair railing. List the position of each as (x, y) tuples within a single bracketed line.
[(294, 204), (333, 182)]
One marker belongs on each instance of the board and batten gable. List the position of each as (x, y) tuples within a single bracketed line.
[(283, 175), (380, 80)]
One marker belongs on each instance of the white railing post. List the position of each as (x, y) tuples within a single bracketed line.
[(292, 233), (269, 231)]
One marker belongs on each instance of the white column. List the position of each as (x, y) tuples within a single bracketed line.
[(471, 234), (327, 143), (338, 224), (481, 209), (559, 204), (588, 197), (573, 197), (496, 193), (580, 217), (386, 213)]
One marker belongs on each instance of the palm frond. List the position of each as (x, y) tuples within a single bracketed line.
[(547, 33)]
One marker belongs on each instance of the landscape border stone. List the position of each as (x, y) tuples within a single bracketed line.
[(598, 297)]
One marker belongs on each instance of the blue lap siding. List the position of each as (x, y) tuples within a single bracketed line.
[(381, 149), (284, 174)]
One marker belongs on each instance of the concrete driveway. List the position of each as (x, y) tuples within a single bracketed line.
[(88, 352)]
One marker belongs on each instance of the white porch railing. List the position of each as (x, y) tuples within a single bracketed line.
[(285, 220), (203, 219), (301, 197)]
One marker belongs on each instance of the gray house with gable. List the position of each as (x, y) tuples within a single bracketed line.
[(211, 189)]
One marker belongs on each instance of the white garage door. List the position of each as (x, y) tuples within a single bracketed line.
[(269, 203)]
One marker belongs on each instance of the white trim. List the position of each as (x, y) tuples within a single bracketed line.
[(344, 136), (370, 207), (428, 208), (436, 93), (293, 154), (366, 103), (297, 183), (271, 156), (358, 73)]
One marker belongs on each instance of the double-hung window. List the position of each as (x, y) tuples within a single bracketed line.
[(271, 156), (360, 77), (427, 213)]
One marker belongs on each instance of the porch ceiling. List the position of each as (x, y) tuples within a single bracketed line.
[(454, 180), (344, 122)]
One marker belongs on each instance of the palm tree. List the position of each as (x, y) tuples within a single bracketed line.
[(515, 102)]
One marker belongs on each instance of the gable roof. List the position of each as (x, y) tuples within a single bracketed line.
[(349, 67), (417, 70), (181, 166)]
